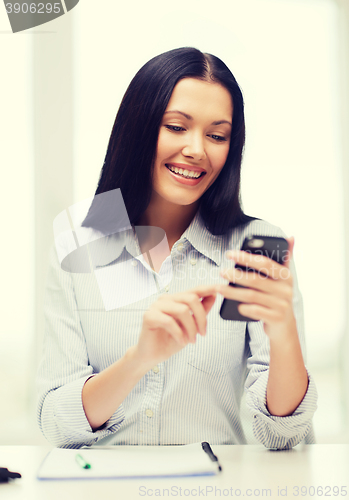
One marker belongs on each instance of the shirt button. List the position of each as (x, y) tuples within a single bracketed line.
[(149, 413), (193, 262), (134, 263), (167, 288), (156, 369), (180, 247)]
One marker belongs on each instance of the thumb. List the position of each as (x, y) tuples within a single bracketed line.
[(208, 302), (290, 242)]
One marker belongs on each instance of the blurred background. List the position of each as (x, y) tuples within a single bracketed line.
[(61, 85)]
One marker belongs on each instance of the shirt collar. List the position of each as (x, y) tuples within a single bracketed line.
[(203, 240), (108, 249)]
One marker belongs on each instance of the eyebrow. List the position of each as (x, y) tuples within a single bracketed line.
[(217, 122)]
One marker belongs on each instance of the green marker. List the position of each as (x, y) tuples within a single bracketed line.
[(82, 462)]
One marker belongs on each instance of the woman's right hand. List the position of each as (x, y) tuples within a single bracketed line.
[(168, 326), (172, 322)]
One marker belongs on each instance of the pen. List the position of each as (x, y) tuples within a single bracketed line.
[(82, 462), (207, 449)]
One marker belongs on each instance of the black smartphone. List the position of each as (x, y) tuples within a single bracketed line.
[(270, 246)]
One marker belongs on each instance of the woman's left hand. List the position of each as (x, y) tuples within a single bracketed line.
[(269, 292)]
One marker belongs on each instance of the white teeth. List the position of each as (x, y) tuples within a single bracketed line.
[(189, 174)]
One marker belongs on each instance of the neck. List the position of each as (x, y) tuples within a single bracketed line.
[(172, 218)]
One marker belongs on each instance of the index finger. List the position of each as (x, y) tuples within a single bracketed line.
[(204, 291), (258, 262)]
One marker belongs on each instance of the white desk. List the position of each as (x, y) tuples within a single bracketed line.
[(247, 471)]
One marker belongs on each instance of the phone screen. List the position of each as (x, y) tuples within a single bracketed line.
[(274, 248)]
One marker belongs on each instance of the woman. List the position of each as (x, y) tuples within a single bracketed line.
[(167, 369)]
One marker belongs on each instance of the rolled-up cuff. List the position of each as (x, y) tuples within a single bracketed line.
[(71, 419), (280, 432)]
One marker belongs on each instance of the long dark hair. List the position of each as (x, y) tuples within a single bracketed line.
[(130, 156)]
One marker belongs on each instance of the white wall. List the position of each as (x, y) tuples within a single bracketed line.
[(17, 226)]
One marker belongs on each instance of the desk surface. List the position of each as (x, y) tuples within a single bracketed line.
[(304, 472)]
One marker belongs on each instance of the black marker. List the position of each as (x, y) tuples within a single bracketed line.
[(207, 449), (6, 474)]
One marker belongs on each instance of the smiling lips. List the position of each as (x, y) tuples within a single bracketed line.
[(185, 171), (190, 177)]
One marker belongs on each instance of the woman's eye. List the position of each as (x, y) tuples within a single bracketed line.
[(174, 128), (177, 128), (218, 138)]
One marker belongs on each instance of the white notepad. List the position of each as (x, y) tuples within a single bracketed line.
[(128, 462)]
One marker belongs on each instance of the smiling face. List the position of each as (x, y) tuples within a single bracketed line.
[(194, 139)]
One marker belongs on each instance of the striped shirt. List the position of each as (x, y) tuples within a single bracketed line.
[(91, 319)]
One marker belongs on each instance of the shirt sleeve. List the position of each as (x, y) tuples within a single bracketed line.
[(65, 368), (270, 430)]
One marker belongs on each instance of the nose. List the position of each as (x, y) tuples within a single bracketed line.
[(194, 147)]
